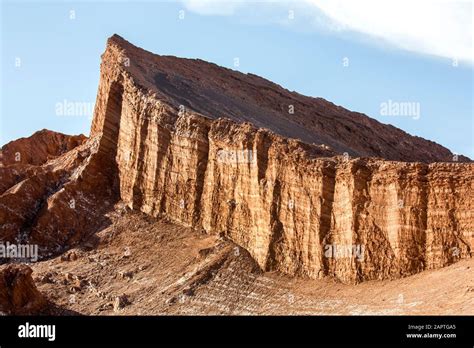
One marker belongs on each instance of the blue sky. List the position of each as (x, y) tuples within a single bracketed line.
[(59, 58)]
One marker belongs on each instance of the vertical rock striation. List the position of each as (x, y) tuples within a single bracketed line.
[(301, 209)]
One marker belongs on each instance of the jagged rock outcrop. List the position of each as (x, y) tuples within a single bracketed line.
[(39, 148), (57, 201), (19, 158), (217, 150), (18, 293), (294, 206)]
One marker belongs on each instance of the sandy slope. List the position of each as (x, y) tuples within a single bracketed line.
[(144, 266)]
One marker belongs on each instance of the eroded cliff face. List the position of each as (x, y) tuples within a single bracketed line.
[(182, 140), (297, 208), (56, 199)]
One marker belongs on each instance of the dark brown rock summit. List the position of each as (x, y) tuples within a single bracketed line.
[(215, 92)]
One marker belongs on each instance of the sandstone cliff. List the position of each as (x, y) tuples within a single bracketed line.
[(215, 92), (283, 200), (217, 150)]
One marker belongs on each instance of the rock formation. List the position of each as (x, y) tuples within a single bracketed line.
[(18, 293), (283, 200), (39, 148), (55, 203), (317, 192)]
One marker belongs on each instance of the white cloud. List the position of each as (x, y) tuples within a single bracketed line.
[(438, 27), (213, 7), (442, 28)]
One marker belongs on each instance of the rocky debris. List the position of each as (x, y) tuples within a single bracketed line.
[(171, 300), (142, 267), (120, 302), (105, 307), (71, 255), (47, 278), (236, 287), (18, 293), (205, 252), (68, 277), (188, 291), (78, 285), (127, 252), (126, 275)]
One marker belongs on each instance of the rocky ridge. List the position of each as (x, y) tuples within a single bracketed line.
[(183, 140), (283, 200)]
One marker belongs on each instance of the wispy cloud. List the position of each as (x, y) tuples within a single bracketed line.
[(214, 7), (438, 27), (441, 28)]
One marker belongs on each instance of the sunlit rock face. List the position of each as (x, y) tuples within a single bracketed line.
[(319, 191), (184, 136)]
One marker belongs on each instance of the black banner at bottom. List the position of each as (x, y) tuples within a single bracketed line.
[(192, 331)]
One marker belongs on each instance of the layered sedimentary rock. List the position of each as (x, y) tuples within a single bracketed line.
[(299, 208), (39, 148), (19, 158), (317, 192), (57, 201), (213, 91)]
